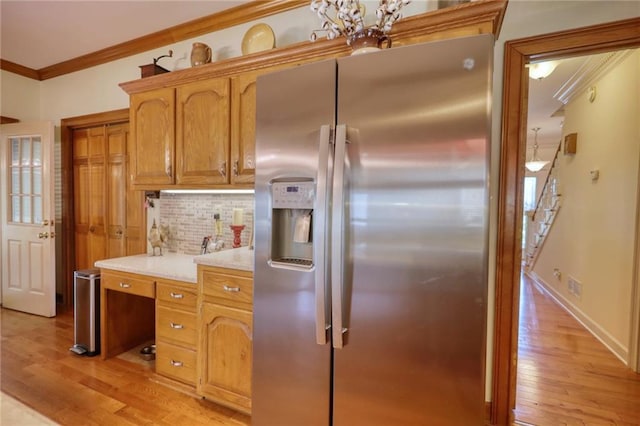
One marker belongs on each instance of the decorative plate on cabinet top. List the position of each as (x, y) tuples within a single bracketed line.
[(258, 38)]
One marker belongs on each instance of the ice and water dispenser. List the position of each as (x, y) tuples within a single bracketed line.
[(292, 216)]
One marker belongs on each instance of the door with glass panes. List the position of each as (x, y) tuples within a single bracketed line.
[(27, 218)]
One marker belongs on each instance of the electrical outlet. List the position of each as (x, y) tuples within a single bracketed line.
[(575, 287), (557, 274)]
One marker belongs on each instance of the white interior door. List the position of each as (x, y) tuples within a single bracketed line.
[(27, 213)]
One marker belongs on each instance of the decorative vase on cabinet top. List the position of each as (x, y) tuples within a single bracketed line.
[(200, 54), (368, 40)]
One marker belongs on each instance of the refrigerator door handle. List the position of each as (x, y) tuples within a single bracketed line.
[(337, 237), (319, 239)]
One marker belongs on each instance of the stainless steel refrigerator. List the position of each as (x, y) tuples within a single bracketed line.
[(371, 238)]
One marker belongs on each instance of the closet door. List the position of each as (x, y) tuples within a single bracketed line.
[(89, 195)]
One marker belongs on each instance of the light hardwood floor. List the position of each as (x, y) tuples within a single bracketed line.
[(565, 375), (38, 370)]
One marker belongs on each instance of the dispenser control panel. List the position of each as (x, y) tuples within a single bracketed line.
[(293, 195)]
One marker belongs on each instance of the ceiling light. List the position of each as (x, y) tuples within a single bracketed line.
[(535, 164), (541, 70)]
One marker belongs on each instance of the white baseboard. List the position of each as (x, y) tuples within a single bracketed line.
[(610, 342)]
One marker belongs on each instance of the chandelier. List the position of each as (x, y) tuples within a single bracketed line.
[(535, 164)]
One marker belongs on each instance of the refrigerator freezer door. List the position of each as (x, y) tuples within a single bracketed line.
[(415, 235), (291, 371)]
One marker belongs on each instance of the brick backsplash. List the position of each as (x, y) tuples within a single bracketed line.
[(190, 218)]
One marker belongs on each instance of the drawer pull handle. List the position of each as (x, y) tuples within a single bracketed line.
[(176, 326), (177, 295), (176, 363), (231, 289), (125, 285)]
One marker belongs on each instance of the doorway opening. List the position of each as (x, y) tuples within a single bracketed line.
[(517, 53)]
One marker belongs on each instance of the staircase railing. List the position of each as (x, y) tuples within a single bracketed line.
[(544, 214)]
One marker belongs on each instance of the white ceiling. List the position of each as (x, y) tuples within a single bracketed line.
[(37, 34)]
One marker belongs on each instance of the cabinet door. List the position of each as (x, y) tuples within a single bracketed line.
[(225, 356), (153, 134), (202, 133), (89, 151), (243, 128)]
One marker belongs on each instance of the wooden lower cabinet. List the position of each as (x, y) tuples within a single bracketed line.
[(176, 330), (225, 345), (203, 332)]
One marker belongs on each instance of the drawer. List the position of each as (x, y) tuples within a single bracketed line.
[(177, 326), (228, 287), (129, 283), (177, 296), (176, 362)]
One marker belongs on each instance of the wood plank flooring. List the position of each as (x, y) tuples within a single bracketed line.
[(565, 375), (38, 370)]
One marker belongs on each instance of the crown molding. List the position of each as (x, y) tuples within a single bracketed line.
[(592, 70), (479, 17), (228, 18), (19, 69)]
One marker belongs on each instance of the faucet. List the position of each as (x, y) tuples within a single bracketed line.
[(205, 245)]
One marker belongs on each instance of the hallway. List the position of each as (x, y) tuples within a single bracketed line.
[(565, 375)]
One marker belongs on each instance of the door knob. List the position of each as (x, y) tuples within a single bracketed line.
[(43, 235), (92, 228)]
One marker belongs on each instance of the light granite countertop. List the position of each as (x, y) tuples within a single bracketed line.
[(180, 267)]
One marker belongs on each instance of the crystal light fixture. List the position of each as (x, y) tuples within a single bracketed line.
[(535, 164)]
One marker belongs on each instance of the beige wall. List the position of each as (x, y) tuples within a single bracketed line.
[(593, 237), (19, 96)]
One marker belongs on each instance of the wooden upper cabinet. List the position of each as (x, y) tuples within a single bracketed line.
[(243, 128), (202, 133), (153, 132)]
